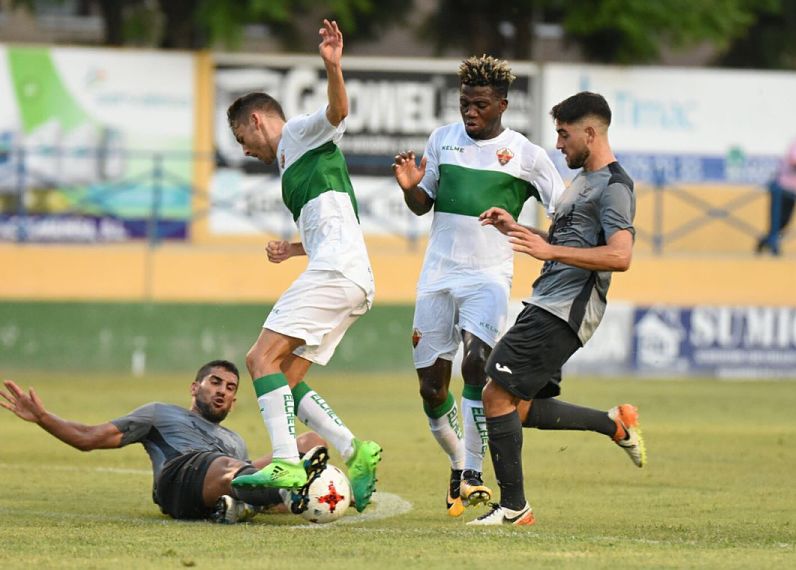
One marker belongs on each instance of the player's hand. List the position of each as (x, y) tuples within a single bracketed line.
[(331, 46), (27, 406), (499, 218), (523, 240), (406, 170), (278, 251)]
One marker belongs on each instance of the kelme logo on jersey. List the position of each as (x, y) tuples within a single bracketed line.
[(504, 155), (416, 336), (454, 148)]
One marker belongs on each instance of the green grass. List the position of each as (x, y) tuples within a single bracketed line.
[(718, 490)]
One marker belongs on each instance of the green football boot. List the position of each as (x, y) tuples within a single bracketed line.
[(279, 473), (362, 472)]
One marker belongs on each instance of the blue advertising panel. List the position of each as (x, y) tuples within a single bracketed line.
[(715, 341)]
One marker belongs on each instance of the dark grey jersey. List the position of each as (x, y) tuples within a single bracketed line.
[(167, 431), (595, 205)]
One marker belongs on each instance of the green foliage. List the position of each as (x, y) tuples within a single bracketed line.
[(769, 43), (633, 31), (717, 493), (501, 29), (609, 31)]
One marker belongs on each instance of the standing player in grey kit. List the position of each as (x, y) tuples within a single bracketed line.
[(463, 290), (591, 237)]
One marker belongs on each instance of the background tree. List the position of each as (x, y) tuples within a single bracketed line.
[(198, 24), (770, 42), (634, 31), (606, 31)]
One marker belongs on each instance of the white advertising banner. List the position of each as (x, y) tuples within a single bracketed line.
[(394, 105), (687, 125), (80, 128), (683, 110)]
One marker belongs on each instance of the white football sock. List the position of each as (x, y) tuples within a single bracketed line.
[(317, 415), (446, 430), (475, 435), (276, 407)]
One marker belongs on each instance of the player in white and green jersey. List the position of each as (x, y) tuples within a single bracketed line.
[(463, 291), (308, 321)]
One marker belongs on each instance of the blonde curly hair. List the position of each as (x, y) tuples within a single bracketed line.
[(486, 71)]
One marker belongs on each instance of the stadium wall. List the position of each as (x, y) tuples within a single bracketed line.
[(241, 274)]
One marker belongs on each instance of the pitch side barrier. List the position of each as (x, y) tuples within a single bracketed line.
[(703, 340), (139, 338), (678, 210), (641, 341)]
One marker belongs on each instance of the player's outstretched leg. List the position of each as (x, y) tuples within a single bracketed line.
[(279, 473), (629, 436), (362, 471), (314, 461), (453, 499), (501, 515), (473, 491)]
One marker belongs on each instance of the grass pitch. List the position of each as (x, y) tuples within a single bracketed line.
[(718, 490)]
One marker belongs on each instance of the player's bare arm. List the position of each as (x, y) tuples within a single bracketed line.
[(408, 174), (280, 250), (613, 256), (331, 50), (29, 407)]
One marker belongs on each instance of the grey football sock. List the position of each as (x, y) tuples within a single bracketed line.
[(551, 413)]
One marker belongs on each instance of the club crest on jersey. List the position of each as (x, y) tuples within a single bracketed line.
[(416, 336), (282, 159), (504, 155)]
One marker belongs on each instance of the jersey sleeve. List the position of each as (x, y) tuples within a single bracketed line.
[(617, 209), (430, 181), (547, 181), (136, 425), (314, 129)]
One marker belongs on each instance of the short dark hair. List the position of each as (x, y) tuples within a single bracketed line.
[(581, 105), (486, 71), (244, 105), (225, 364)]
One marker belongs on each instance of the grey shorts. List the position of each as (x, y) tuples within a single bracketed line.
[(178, 488), (527, 360)]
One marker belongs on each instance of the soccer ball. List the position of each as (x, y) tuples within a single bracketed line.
[(329, 496)]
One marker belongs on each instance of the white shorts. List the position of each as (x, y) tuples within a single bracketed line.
[(318, 308), (441, 316)]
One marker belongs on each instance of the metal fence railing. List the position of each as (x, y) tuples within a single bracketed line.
[(96, 195)]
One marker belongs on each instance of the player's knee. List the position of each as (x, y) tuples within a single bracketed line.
[(474, 368), (259, 359), (497, 400), (433, 394), (308, 440), (221, 472)]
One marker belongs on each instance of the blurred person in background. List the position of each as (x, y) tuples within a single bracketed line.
[(194, 458), (782, 190)]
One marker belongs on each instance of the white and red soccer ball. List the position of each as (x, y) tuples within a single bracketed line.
[(329, 496)]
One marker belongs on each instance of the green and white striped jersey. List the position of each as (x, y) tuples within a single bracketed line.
[(465, 177), (317, 190)]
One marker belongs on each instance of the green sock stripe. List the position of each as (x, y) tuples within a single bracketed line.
[(440, 410), (472, 392), (269, 383), (299, 391)]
